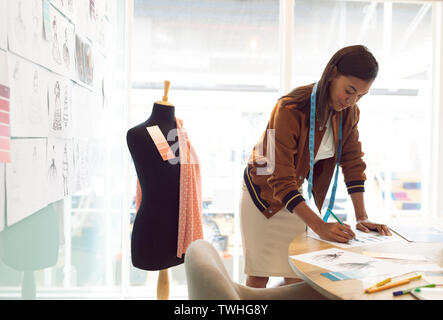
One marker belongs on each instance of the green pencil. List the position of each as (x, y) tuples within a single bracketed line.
[(338, 220)]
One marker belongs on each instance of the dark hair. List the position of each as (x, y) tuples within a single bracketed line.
[(355, 61)]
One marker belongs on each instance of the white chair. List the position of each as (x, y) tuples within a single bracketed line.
[(208, 279)]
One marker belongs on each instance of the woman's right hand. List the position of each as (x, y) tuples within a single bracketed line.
[(334, 231)]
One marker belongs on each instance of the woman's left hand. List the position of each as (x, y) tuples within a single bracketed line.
[(366, 226)]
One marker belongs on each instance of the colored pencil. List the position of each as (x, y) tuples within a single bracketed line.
[(392, 284)]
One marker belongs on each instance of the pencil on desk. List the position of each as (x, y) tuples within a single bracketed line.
[(392, 284), (379, 284)]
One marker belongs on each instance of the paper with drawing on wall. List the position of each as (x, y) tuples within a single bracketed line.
[(86, 19), (60, 107), (81, 165), (26, 186), (25, 30), (62, 44), (58, 165), (3, 24), (29, 112)]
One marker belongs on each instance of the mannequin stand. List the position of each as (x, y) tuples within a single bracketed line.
[(163, 285), (28, 285)]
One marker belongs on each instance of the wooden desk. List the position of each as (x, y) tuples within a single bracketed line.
[(354, 289)]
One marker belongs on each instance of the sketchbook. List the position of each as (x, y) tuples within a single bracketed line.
[(361, 239), (339, 260)]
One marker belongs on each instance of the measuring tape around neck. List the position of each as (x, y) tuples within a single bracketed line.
[(311, 152)]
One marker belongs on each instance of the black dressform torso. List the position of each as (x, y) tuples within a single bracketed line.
[(155, 230)]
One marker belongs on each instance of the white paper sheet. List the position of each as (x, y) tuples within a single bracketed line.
[(361, 239), (57, 166), (82, 110), (103, 26), (60, 107), (2, 196), (25, 30), (29, 102), (26, 179), (395, 256), (3, 24), (62, 44), (81, 165), (342, 260), (85, 19)]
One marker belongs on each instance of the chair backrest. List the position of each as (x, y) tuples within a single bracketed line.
[(206, 275)]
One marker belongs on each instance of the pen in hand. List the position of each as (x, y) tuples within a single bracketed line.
[(339, 221)]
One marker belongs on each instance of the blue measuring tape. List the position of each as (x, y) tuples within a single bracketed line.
[(311, 153)]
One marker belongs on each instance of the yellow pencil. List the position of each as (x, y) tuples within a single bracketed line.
[(392, 284), (383, 282), (378, 284)]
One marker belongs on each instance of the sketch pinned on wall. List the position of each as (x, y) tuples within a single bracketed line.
[(3, 24), (57, 119), (60, 107), (54, 168), (65, 170), (81, 165), (5, 122), (26, 182), (62, 44), (99, 78), (84, 60), (19, 21), (29, 112), (25, 30), (66, 51), (85, 19), (56, 56)]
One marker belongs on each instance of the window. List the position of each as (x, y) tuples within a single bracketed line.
[(393, 115)]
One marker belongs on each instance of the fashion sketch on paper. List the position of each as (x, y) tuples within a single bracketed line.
[(55, 45), (52, 172), (57, 123)]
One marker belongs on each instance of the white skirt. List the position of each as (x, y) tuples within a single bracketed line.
[(266, 241)]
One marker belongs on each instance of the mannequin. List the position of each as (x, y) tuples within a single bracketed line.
[(154, 235)]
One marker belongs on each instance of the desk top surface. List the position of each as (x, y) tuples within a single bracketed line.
[(354, 289)]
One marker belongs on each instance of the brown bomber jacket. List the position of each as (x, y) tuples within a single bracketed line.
[(273, 187)]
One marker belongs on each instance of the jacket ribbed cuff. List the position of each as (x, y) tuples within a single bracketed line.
[(292, 199), (355, 186)]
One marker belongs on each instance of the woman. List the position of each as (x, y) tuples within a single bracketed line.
[(273, 210)]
